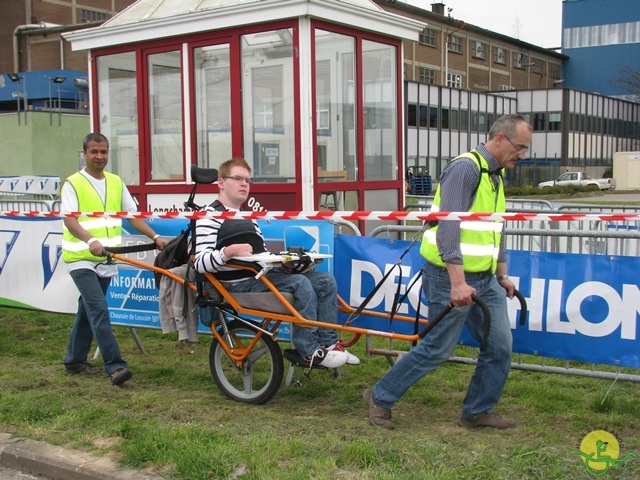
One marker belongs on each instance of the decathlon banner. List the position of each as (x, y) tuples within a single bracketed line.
[(581, 307)]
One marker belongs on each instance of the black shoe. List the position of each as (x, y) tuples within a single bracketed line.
[(82, 369), (120, 376)]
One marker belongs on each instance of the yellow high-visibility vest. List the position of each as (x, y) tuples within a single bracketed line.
[(479, 240), (108, 231)]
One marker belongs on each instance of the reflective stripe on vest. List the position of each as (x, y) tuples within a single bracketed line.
[(107, 230), (479, 241)]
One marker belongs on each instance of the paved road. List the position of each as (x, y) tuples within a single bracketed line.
[(12, 474), (20, 455)]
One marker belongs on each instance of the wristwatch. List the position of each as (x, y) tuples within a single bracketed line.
[(501, 277)]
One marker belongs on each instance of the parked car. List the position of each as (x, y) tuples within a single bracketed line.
[(582, 179)]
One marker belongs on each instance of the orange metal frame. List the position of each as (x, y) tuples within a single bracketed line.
[(271, 321)]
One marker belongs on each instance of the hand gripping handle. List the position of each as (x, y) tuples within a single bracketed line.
[(486, 326)]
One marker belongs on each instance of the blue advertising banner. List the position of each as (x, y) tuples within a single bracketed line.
[(363, 262), (581, 307)]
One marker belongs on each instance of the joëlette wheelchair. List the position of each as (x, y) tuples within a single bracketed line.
[(245, 359)]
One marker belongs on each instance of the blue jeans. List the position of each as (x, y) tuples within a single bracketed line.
[(92, 320), (494, 360), (315, 295)]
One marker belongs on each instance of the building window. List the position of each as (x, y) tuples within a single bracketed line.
[(555, 121), (424, 112), (91, 16), (554, 70), (602, 35), (412, 117), (538, 66), (427, 75), (539, 122), (267, 103), (433, 117), (118, 109), (212, 73), (454, 119), (479, 122), (417, 115), (379, 75), (519, 60), (454, 80), (464, 120), (165, 115), (500, 55), (478, 50), (455, 43), (428, 37)]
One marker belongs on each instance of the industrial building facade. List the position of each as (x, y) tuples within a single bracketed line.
[(601, 40)]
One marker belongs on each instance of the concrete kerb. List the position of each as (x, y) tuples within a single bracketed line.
[(58, 463)]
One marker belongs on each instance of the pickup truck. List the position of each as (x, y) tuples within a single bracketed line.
[(582, 179)]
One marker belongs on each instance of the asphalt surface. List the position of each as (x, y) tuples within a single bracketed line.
[(13, 474), (23, 459)]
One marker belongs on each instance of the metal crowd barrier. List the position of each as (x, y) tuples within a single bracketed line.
[(10, 205)]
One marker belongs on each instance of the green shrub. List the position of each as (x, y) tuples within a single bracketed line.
[(529, 190)]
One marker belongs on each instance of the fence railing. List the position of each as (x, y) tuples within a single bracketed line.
[(22, 205)]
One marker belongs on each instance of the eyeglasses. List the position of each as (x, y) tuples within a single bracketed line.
[(238, 178), (519, 148)]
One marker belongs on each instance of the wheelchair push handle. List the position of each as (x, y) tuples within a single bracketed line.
[(523, 307), (485, 310), (486, 325)]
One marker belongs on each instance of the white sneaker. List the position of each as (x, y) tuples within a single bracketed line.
[(327, 358), (337, 347)]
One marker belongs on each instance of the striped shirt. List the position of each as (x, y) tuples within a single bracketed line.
[(208, 257)]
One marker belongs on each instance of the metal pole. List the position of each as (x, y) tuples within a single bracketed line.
[(59, 108), (24, 96), (17, 94), (50, 118), (446, 61)]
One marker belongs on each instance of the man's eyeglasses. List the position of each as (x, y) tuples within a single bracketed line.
[(519, 148), (238, 178)]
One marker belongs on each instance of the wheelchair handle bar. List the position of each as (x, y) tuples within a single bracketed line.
[(486, 326), (524, 313)]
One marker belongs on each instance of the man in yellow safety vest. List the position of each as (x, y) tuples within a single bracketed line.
[(93, 189), (465, 258)]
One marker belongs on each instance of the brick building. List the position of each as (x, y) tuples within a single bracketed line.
[(33, 29), (454, 53)]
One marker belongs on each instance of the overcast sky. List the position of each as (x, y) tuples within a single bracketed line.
[(539, 21)]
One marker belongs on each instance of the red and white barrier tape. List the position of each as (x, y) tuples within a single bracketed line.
[(345, 215)]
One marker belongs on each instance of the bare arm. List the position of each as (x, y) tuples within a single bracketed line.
[(76, 229)]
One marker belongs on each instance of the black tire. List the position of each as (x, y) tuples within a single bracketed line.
[(260, 376)]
